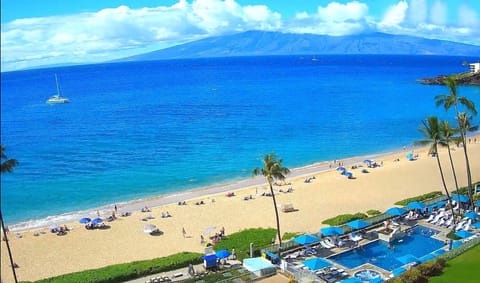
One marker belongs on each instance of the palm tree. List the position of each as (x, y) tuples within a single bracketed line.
[(432, 134), (273, 170), (447, 137), (7, 167), (452, 99)]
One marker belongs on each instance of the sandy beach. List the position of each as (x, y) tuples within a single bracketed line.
[(329, 194)]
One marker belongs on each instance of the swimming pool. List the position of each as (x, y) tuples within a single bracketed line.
[(417, 243)]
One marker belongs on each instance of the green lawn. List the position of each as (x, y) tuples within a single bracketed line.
[(464, 268)]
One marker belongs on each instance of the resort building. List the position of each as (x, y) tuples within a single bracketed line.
[(475, 67)]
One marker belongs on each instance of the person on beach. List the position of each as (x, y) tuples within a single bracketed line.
[(116, 209), (184, 233), (98, 213)]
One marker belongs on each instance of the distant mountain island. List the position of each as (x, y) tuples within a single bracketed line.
[(260, 43)]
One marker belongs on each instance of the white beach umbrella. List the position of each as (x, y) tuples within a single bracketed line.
[(149, 228)]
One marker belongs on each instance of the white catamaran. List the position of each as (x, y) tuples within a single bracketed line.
[(57, 99)]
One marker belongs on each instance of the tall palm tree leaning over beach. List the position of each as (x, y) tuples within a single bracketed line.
[(452, 99), (7, 167), (432, 134), (447, 134), (273, 170)]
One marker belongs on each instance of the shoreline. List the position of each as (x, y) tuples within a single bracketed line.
[(205, 191)]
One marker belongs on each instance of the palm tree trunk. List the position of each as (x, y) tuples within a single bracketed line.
[(276, 215), (453, 169), (445, 186), (464, 141), (8, 249)]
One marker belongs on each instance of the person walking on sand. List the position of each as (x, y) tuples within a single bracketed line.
[(184, 232)]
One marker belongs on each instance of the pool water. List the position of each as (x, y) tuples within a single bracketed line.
[(418, 242)]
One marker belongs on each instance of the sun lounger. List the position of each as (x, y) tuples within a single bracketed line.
[(430, 218)]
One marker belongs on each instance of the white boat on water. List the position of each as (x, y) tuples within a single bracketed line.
[(57, 99)]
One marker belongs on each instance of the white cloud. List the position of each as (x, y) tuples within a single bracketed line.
[(438, 13), (336, 12), (468, 17), (395, 14), (417, 11)]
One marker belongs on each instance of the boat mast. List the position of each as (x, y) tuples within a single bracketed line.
[(56, 82)]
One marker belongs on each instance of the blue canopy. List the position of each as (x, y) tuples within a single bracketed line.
[(460, 198), (463, 234), (348, 174), (316, 263), (222, 253), (477, 203), (332, 231), (472, 215), (409, 156), (397, 211), (306, 239), (85, 220), (416, 205), (358, 224), (476, 225), (97, 221), (408, 258), (368, 161), (341, 169)]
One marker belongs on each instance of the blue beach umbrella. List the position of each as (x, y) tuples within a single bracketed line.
[(316, 263), (222, 253), (477, 203), (460, 198), (97, 221), (348, 174), (408, 258), (306, 239), (341, 169), (397, 211), (472, 215), (463, 234), (85, 220), (416, 205), (332, 231), (409, 156), (476, 225), (358, 224)]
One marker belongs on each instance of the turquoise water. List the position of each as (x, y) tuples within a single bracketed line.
[(139, 129), (378, 253)]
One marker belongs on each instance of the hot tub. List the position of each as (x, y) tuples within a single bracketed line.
[(367, 274)]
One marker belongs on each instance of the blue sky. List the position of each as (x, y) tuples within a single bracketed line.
[(46, 32)]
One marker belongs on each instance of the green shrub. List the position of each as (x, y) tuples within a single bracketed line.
[(413, 276), (373, 212), (128, 271), (419, 198), (289, 235), (344, 218), (240, 241)]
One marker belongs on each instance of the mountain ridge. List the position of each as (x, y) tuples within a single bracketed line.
[(262, 43)]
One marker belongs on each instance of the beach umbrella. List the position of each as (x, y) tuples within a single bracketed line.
[(85, 220), (341, 169), (460, 198), (222, 254), (476, 225), (358, 224), (368, 161), (332, 231), (316, 263), (149, 228), (397, 211), (408, 258), (348, 174), (97, 221), (416, 205), (477, 203), (472, 215), (409, 156), (351, 280), (306, 239), (463, 234)]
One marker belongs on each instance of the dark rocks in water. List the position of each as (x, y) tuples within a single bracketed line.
[(463, 79)]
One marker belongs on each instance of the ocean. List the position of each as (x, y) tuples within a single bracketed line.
[(139, 129)]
